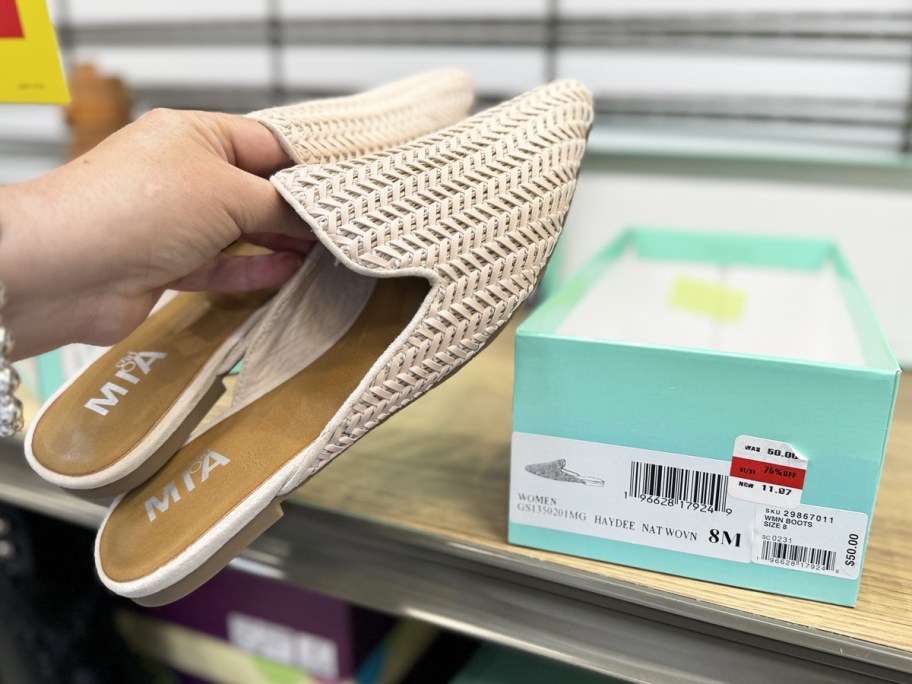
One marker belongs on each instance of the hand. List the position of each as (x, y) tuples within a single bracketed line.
[(86, 251)]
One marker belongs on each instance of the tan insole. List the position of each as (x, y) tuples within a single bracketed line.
[(216, 471), (74, 439)]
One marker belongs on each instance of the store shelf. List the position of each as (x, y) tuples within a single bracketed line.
[(412, 520)]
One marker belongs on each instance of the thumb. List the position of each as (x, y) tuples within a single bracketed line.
[(248, 144), (258, 209), (254, 151)]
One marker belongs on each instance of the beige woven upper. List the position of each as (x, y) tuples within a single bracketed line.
[(477, 207), (330, 130)]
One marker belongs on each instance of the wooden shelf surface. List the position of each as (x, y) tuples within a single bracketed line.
[(422, 502), (440, 468)]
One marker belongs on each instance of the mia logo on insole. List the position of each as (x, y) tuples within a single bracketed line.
[(130, 370), (194, 476)]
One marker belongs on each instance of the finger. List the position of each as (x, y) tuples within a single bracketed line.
[(254, 203), (258, 208), (279, 242), (250, 145), (226, 273)]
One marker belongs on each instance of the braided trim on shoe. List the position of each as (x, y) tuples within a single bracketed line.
[(333, 129)]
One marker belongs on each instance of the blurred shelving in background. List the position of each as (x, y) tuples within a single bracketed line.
[(769, 116), (810, 73)]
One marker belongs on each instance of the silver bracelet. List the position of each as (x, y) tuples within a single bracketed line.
[(10, 406)]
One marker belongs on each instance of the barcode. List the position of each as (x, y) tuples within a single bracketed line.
[(679, 484), (799, 554)]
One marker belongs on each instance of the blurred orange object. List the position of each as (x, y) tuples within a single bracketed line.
[(100, 105)]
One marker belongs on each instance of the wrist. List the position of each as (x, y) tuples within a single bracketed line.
[(38, 312)]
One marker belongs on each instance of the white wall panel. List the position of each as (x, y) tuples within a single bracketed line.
[(640, 72), (494, 71), (32, 122), (141, 11), (182, 66), (795, 139), (512, 9), (634, 7)]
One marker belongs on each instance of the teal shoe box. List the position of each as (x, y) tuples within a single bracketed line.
[(705, 405)]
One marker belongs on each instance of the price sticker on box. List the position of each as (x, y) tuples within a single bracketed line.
[(766, 471)]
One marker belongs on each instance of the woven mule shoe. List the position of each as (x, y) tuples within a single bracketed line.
[(426, 252), (117, 421)]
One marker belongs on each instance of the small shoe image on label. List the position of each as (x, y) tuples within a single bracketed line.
[(766, 471), (557, 470), (827, 541)]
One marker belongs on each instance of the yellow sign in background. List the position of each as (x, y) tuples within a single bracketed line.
[(30, 69)]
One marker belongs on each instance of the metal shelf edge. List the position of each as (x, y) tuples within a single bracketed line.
[(510, 599)]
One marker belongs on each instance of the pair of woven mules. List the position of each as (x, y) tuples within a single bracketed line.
[(432, 229)]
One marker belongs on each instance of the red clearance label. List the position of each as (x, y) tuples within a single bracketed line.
[(770, 473), (766, 471), (10, 25)]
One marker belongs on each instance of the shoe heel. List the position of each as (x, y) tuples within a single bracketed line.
[(240, 541)]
